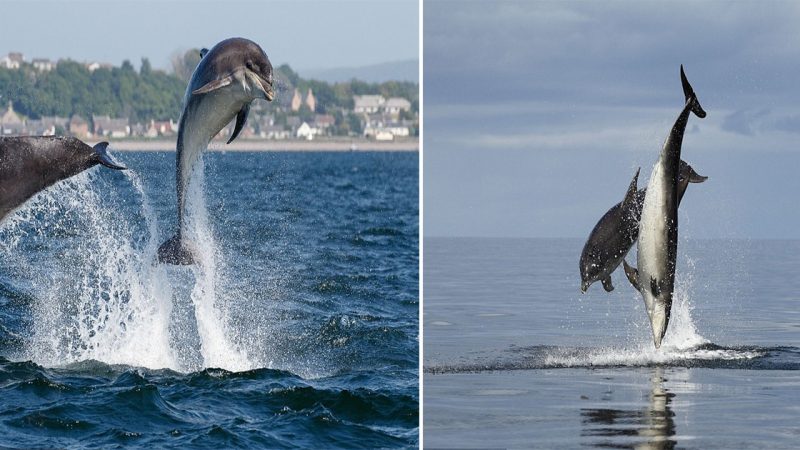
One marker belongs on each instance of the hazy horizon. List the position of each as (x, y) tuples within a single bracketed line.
[(307, 35)]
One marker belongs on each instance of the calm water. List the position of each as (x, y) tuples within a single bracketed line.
[(515, 356), (297, 328)]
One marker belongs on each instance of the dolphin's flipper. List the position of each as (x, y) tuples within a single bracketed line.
[(630, 196), (241, 118), (655, 287), (213, 85), (695, 177), (203, 52), (687, 171), (102, 157), (173, 252), (632, 274), (607, 284)]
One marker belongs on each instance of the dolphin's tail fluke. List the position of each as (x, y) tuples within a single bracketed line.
[(101, 156), (173, 251), (691, 97)]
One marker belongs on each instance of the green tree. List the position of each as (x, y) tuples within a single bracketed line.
[(184, 63)]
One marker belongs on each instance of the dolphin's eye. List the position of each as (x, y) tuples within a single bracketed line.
[(251, 66)]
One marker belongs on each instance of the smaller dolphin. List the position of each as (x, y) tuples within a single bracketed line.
[(614, 234), (228, 78), (29, 165)]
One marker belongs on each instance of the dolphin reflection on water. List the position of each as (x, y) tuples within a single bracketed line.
[(651, 428)]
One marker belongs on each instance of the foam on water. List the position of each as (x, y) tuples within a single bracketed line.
[(216, 347), (682, 342), (103, 296), (100, 297), (682, 345)]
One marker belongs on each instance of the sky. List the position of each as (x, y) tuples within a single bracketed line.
[(537, 114), (305, 34)]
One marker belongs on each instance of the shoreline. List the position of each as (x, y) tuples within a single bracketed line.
[(322, 145)]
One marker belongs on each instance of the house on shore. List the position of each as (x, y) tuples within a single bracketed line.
[(79, 127), (299, 100), (158, 128), (47, 126), (43, 64), (11, 123), (118, 127), (12, 61), (368, 104)]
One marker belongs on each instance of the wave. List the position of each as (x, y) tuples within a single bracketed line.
[(112, 404), (705, 356)]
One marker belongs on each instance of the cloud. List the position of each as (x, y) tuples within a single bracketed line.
[(536, 114), (750, 122), (610, 53)]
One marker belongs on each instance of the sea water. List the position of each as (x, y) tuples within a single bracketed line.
[(297, 326), (516, 357)]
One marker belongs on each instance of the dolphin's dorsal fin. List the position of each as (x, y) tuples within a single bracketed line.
[(241, 118), (203, 52), (632, 274), (655, 287), (607, 284), (213, 85), (630, 195)]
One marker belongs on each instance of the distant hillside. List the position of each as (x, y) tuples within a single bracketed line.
[(407, 70)]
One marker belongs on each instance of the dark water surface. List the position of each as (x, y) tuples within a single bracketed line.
[(516, 357), (297, 328)]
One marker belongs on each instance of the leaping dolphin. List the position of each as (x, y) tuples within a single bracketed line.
[(30, 164), (228, 78), (614, 234), (657, 247)]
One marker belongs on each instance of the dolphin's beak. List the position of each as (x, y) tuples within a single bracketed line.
[(269, 92), (584, 287), (260, 83), (659, 320), (266, 88)]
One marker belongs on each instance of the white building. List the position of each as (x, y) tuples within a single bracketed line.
[(12, 61), (306, 131), (368, 104), (396, 104), (43, 64), (384, 136)]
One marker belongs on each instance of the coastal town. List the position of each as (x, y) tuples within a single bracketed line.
[(296, 114)]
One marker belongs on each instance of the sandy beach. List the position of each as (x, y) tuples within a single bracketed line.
[(321, 145)]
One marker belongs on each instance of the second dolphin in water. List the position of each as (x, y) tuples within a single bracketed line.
[(657, 247), (228, 78), (30, 164), (614, 234)]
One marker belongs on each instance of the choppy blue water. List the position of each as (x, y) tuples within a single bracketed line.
[(297, 328), (516, 357)]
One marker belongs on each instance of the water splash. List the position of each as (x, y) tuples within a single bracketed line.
[(99, 293), (682, 333), (210, 308), (98, 296)]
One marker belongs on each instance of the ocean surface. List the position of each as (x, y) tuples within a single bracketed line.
[(516, 357), (298, 327)]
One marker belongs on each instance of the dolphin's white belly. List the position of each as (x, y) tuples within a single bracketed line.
[(652, 246), (206, 115), (654, 229)]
